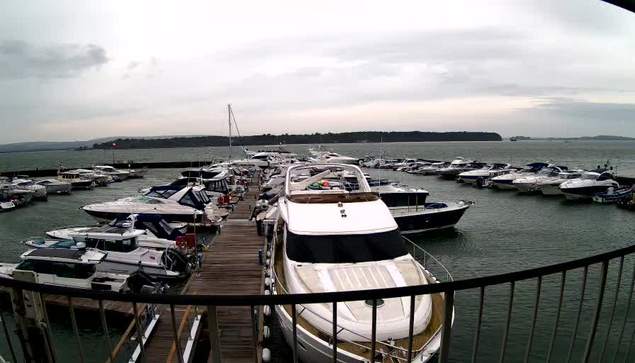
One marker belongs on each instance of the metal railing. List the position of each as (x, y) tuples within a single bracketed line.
[(449, 289)]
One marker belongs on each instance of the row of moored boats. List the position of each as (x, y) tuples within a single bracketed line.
[(539, 177), (22, 190)]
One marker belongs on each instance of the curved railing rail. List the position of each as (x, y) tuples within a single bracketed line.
[(448, 289)]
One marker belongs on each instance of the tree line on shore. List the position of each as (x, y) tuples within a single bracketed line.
[(316, 138)]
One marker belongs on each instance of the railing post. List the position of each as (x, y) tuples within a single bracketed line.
[(177, 338), (577, 321), (512, 286), (22, 326), (142, 348), (596, 316), (477, 336), (555, 327), (533, 321), (411, 327), (294, 322), (76, 329), (617, 293), (446, 333), (334, 331), (214, 336), (106, 333), (6, 334), (373, 334)]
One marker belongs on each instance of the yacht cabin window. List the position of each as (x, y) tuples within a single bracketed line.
[(351, 248), (59, 269)]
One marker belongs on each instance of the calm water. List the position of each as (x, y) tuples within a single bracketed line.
[(503, 232)]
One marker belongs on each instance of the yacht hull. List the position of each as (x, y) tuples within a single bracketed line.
[(551, 190), (411, 221), (583, 192), (103, 216)]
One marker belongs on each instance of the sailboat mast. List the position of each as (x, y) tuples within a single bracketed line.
[(229, 122)]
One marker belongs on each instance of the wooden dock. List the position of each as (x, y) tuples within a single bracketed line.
[(230, 266)]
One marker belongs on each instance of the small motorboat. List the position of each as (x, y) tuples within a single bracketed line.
[(612, 196), (482, 175), (55, 186), (124, 255), (6, 205), (76, 268)]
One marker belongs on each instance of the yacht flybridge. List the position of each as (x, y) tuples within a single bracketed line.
[(330, 239)]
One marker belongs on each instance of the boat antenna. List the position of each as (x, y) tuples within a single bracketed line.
[(381, 152)]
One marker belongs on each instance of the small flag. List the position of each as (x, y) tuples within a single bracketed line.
[(114, 144)]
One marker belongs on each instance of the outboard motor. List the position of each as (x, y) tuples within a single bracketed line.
[(140, 282)]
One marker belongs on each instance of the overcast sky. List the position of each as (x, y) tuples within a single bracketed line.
[(77, 70)]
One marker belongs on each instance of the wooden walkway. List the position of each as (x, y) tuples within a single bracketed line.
[(230, 266)]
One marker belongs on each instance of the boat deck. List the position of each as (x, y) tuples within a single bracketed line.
[(230, 266)]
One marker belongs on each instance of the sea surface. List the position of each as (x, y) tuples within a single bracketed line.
[(503, 232)]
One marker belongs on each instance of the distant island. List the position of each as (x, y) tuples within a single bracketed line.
[(589, 138), (519, 138), (317, 138)]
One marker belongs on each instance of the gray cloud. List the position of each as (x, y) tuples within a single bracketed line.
[(19, 60), (590, 111)]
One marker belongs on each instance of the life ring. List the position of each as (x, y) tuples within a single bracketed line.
[(181, 241), (220, 200)]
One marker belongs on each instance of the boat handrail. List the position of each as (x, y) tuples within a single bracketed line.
[(426, 256)]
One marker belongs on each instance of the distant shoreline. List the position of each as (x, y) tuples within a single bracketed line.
[(329, 138)]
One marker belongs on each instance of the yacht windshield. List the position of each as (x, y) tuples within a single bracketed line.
[(345, 249), (589, 176)]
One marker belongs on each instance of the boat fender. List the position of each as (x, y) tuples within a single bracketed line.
[(266, 332), (266, 355), (267, 262), (266, 310), (267, 292), (267, 281), (268, 253)]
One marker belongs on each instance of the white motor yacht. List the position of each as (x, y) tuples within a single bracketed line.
[(506, 181), (414, 168), (172, 202), (356, 245), (590, 183), (55, 186), (482, 175), (432, 169), (531, 183), (458, 166), (116, 174), (76, 268)]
